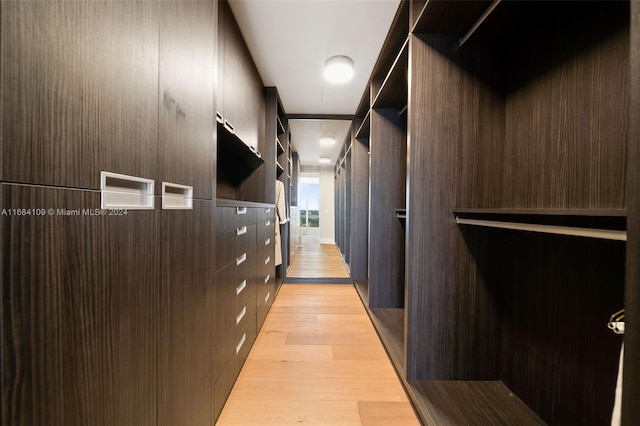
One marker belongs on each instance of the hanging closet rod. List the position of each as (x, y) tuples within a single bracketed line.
[(607, 234)]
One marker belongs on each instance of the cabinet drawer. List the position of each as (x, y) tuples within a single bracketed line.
[(225, 283), (225, 249), (245, 237), (224, 319), (224, 383), (265, 213), (245, 265), (224, 352), (245, 216), (225, 219)]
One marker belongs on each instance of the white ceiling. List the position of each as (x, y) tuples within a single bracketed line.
[(290, 40), (307, 133)]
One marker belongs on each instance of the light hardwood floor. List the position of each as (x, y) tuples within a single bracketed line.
[(317, 361), (315, 260)]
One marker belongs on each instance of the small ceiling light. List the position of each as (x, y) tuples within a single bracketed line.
[(338, 69), (327, 141), (324, 160)]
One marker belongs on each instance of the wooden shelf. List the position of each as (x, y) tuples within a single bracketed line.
[(281, 129), (364, 130), (602, 224), (393, 43), (446, 402), (449, 17), (394, 89), (236, 160), (279, 168), (279, 147)]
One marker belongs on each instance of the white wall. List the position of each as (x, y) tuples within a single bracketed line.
[(327, 206)]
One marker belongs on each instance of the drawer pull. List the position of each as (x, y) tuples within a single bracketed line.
[(241, 287), (239, 345), (241, 259), (241, 315), (267, 241), (229, 126), (266, 279), (267, 260), (241, 231), (267, 296), (177, 197), (267, 223), (125, 192), (268, 210), (241, 210), (219, 117)]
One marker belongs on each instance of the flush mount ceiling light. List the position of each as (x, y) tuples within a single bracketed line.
[(327, 141), (338, 69), (324, 160)]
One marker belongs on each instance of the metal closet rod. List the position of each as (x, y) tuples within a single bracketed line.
[(606, 234)]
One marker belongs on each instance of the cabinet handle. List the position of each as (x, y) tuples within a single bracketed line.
[(177, 197), (125, 192), (267, 223), (268, 210), (241, 231), (241, 210), (229, 126), (239, 345), (241, 259), (241, 315), (219, 117), (266, 279), (267, 260), (267, 296), (267, 241), (241, 287)]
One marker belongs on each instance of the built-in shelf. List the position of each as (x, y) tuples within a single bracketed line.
[(393, 92), (279, 168), (449, 17), (602, 224), (365, 128), (279, 147), (281, 129), (393, 44), (446, 402), (236, 160)]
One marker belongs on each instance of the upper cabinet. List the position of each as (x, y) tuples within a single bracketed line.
[(186, 103), (128, 89), (79, 84)]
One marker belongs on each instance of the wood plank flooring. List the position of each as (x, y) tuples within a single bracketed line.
[(315, 260), (317, 361)]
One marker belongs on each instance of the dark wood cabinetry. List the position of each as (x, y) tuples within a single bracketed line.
[(79, 311), (186, 84), (79, 85), (244, 287), (186, 315), (515, 112)]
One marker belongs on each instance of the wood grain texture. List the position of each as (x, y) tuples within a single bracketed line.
[(566, 111), (186, 99), (556, 294), (359, 265), (287, 379), (79, 83), (631, 380), (78, 339), (448, 305), (386, 193), (185, 331)]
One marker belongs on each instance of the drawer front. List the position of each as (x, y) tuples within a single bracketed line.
[(246, 236), (225, 219), (225, 283), (224, 319), (225, 249), (245, 216), (224, 351), (245, 265), (265, 213), (224, 384)]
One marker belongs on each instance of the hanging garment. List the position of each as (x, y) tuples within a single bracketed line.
[(281, 216)]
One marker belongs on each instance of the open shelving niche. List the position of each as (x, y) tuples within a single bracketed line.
[(458, 400)]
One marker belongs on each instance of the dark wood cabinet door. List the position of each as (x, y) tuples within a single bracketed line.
[(186, 104), (186, 329), (79, 311), (79, 84)]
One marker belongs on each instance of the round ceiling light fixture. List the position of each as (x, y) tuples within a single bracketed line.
[(324, 160), (327, 141), (338, 69)]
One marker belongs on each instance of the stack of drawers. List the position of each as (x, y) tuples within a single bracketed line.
[(245, 288)]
